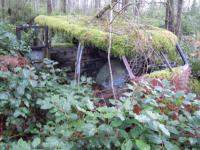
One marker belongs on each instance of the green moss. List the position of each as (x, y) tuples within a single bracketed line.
[(61, 45), (195, 65), (94, 33), (163, 74), (195, 86)]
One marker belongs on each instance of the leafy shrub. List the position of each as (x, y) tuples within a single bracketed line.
[(9, 43), (44, 111)]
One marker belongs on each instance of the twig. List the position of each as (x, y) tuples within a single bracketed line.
[(109, 50)]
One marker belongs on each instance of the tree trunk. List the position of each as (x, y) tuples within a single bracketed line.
[(36, 4), (124, 3), (178, 18), (63, 5), (3, 8), (49, 6), (169, 19), (69, 5), (137, 7), (171, 16), (97, 4), (167, 15)]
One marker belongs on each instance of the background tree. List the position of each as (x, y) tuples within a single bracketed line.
[(64, 5), (49, 6), (169, 19), (97, 4), (178, 18)]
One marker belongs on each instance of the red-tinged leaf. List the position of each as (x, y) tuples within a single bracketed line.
[(137, 109), (156, 82)]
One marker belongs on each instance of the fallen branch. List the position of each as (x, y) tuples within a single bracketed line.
[(106, 8)]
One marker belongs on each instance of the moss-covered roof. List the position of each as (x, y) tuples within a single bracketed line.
[(126, 39)]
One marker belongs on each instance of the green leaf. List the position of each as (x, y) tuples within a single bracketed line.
[(170, 146), (33, 83), (116, 123), (21, 145), (193, 141), (4, 96), (142, 145), (90, 105), (123, 134), (155, 138), (127, 145), (51, 142), (20, 112), (45, 104), (164, 129), (89, 129), (26, 73), (136, 132), (20, 90), (142, 118), (36, 142), (128, 105)]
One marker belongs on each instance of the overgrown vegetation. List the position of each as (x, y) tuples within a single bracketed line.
[(43, 110), (9, 43), (46, 110)]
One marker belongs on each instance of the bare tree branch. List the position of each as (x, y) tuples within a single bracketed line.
[(109, 50)]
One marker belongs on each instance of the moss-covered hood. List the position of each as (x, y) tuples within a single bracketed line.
[(126, 39)]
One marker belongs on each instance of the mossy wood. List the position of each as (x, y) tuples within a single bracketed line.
[(127, 39)]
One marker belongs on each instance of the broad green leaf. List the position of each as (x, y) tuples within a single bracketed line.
[(142, 118), (51, 142), (123, 134), (36, 142), (170, 146), (164, 129), (21, 145), (89, 129), (116, 123), (159, 88), (26, 73), (105, 129), (20, 90), (128, 104), (33, 83), (197, 113), (190, 96), (136, 132), (127, 145), (45, 104), (90, 105), (153, 115), (4, 96), (193, 141), (155, 138), (142, 145), (172, 129)]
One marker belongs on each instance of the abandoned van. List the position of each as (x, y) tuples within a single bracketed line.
[(80, 43)]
